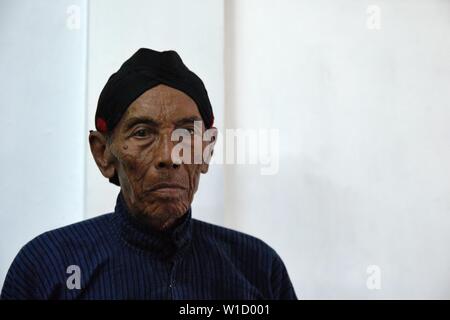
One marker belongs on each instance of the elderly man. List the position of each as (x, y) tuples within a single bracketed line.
[(150, 247)]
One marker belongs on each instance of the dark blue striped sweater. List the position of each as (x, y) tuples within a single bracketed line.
[(114, 257)]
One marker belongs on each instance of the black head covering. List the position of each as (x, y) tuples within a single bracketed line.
[(144, 70)]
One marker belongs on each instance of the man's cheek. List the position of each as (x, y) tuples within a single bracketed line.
[(134, 166), (194, 176)]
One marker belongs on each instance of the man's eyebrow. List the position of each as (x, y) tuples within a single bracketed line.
[(135, 120), (187, 120)]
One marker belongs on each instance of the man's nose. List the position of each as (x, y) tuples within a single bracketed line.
[(164, 158)]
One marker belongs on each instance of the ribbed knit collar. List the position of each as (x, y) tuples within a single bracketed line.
[(167, 244)]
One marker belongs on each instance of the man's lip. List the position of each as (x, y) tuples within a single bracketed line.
[(165, 185)]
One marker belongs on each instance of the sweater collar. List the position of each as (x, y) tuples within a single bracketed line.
[(166, 244)]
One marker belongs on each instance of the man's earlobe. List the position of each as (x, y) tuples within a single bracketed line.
[(204, 167), (210, 138), (102, 154)]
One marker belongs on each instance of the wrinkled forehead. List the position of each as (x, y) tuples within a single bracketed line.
[(163, 104)]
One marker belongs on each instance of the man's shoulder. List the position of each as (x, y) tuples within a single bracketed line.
[(76, 235), (44, 259), (253, 259), (232, 240)]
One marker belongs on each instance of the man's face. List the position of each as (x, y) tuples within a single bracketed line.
[(154, 187)]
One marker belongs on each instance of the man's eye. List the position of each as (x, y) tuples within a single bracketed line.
[(140, 133)]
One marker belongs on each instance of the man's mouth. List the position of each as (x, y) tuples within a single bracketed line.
[(166, 189)]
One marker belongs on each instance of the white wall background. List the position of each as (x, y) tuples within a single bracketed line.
[(42, 128), (364, 141), (364, 176)]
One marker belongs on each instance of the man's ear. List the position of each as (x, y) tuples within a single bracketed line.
[(210, 136), (102, 155)]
